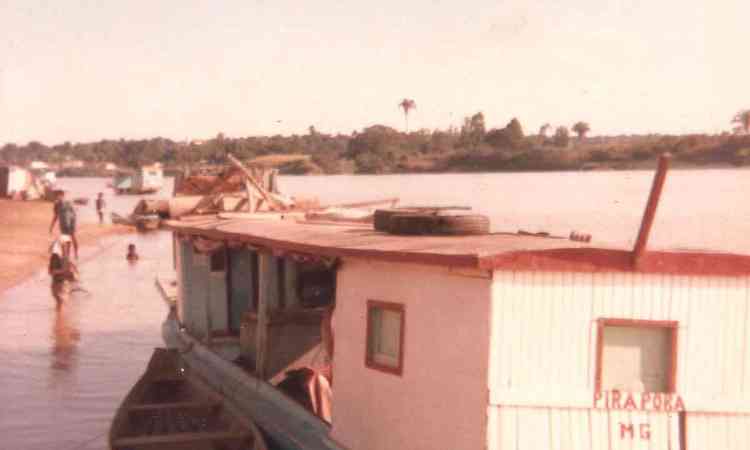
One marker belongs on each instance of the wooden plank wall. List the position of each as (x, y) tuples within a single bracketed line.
[(582, 429), (543, 353)]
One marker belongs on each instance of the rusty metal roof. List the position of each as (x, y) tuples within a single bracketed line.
[(507, 251)]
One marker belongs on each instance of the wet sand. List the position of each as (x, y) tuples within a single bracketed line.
[(25, 238)]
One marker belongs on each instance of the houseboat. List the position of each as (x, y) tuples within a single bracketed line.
[(20, 183), (144, 180), (332, 336)]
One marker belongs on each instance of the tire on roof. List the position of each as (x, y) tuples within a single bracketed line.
[(434, 224)]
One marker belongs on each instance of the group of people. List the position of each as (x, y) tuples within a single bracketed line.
[(61, 268)]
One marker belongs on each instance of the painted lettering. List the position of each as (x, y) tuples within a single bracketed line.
[(657, 401), (668, 402), (616, 399), (597, 398), (626, 429), (645, 399), (648, 401), (629, 402)]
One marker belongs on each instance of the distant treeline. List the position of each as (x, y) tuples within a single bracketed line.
[(381, 149)]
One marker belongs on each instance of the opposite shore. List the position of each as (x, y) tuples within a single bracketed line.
[(25, 238)]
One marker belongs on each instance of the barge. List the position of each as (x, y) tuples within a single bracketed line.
[(331, 336)]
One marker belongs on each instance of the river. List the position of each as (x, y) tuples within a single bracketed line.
[(63, 374)]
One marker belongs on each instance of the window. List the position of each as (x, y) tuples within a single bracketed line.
[(636, 355), (385, 336)]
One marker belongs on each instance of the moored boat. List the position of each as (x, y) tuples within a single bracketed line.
[(171, 408), (475, 341), (144, 180), (147, 222)]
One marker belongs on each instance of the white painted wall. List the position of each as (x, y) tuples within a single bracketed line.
[(17, 179), (543, 354), (440, 401)]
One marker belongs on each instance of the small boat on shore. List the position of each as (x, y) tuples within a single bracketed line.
[(147, 222), (169, 407), (142, 222)]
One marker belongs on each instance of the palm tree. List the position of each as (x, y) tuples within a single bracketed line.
[(543, 130), (407, 105), (743, 120), (581, 128)]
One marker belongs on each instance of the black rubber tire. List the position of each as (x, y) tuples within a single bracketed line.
[(461, 225), (433, 224), (382, 217), (413, 224)]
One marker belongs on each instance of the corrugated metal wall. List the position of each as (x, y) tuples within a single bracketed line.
[(543, 356)]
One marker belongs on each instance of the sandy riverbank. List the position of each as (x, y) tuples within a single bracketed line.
[(25, 238)]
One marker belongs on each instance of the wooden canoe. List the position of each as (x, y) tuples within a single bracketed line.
[(121, 220), (147, 222), (170, 408)]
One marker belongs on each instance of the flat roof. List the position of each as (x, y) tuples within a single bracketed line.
[(504, 251)]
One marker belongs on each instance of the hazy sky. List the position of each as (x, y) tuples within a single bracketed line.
[(87, 70)]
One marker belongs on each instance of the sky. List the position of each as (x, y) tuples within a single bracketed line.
[(84, 70)]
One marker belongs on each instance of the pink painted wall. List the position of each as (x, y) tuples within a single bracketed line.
[(440, 400)]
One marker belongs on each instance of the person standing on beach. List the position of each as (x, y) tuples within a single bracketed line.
[(100, 208), (65, 214)]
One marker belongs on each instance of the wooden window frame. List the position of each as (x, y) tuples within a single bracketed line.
[(398, 307), (671, 325)]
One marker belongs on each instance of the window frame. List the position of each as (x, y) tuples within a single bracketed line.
[(369, 361), (670, 325)]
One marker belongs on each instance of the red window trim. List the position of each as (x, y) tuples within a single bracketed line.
[(671, 325), (399, 307)]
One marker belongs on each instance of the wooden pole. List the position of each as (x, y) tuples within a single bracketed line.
[(249, 176), (268, 295), (250, 198), (650, 212)]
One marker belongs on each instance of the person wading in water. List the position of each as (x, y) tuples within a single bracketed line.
[(65, 214), (100, 208), (62, 271)]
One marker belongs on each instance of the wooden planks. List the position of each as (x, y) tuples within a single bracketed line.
[(546, 323)]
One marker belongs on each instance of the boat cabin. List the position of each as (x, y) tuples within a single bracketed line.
[(145, 179), (20, 183), (500, 341)]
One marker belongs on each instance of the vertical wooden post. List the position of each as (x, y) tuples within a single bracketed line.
[(250, 197), (291, 275), (650, 212), (207, 301), (267, 302)]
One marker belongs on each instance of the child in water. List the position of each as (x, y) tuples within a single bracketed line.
[(62, 270), (132, 255)]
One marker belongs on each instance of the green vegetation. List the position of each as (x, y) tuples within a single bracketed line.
[(381, 149)]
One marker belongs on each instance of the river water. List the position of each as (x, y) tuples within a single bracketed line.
[(64, 373)]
